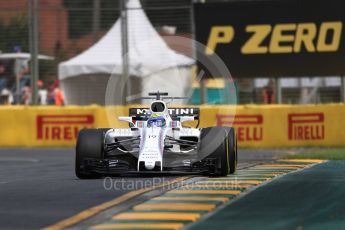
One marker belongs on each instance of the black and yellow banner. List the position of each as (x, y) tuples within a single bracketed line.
[(274, 38)]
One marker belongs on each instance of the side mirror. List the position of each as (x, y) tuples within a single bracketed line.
[(127, 119), (186, 118)]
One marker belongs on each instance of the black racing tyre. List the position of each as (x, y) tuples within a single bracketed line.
[(89, 145), (232, 149), (214, 144)]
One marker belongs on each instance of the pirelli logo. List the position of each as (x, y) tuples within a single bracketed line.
[(248, 127), (306, 126), (62, 127)]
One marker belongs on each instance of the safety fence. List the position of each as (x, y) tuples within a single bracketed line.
[(256, 126)]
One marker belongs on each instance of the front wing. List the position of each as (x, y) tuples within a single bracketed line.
[(120, 166)]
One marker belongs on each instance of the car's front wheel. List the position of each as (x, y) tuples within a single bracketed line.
[(220, 143), (89, 146), (232, 149)]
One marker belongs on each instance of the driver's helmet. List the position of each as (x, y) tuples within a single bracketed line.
[(156, 122)]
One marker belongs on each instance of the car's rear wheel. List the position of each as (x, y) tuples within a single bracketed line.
[(220, 143), (89, 146)]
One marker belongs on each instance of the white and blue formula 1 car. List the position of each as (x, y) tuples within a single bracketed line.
[(157, 142)]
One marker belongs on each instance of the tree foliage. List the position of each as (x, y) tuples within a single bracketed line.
[(80, 16), (14, 33)]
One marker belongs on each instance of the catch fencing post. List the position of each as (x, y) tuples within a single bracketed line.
[(342, 89), (278, 90), (96, 19), (125, 55), (33, 38)]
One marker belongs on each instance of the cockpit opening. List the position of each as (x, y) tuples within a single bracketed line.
[(157, 107)]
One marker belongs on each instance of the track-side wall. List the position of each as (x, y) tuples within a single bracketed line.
[(256, 126)]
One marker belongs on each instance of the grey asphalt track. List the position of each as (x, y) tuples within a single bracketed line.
[(38, 186), (309, 199)]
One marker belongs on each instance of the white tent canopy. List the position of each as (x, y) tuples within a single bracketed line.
[(148, 53)]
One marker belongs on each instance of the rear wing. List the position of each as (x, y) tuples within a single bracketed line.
[(175, 113)]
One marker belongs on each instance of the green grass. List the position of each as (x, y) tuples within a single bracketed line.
[(321, 153)]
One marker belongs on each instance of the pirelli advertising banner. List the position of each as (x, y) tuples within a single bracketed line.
[(284, 125), (274, 38), (256, 126)]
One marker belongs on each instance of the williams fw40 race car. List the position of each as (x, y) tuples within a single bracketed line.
[(157, 142)]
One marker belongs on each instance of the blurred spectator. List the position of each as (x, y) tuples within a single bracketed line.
[(21, 70), (50, 95), (5, 97), (55, 95), (59, 98), (3, 77), (42, 93), (268, 93), (26, 94)]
